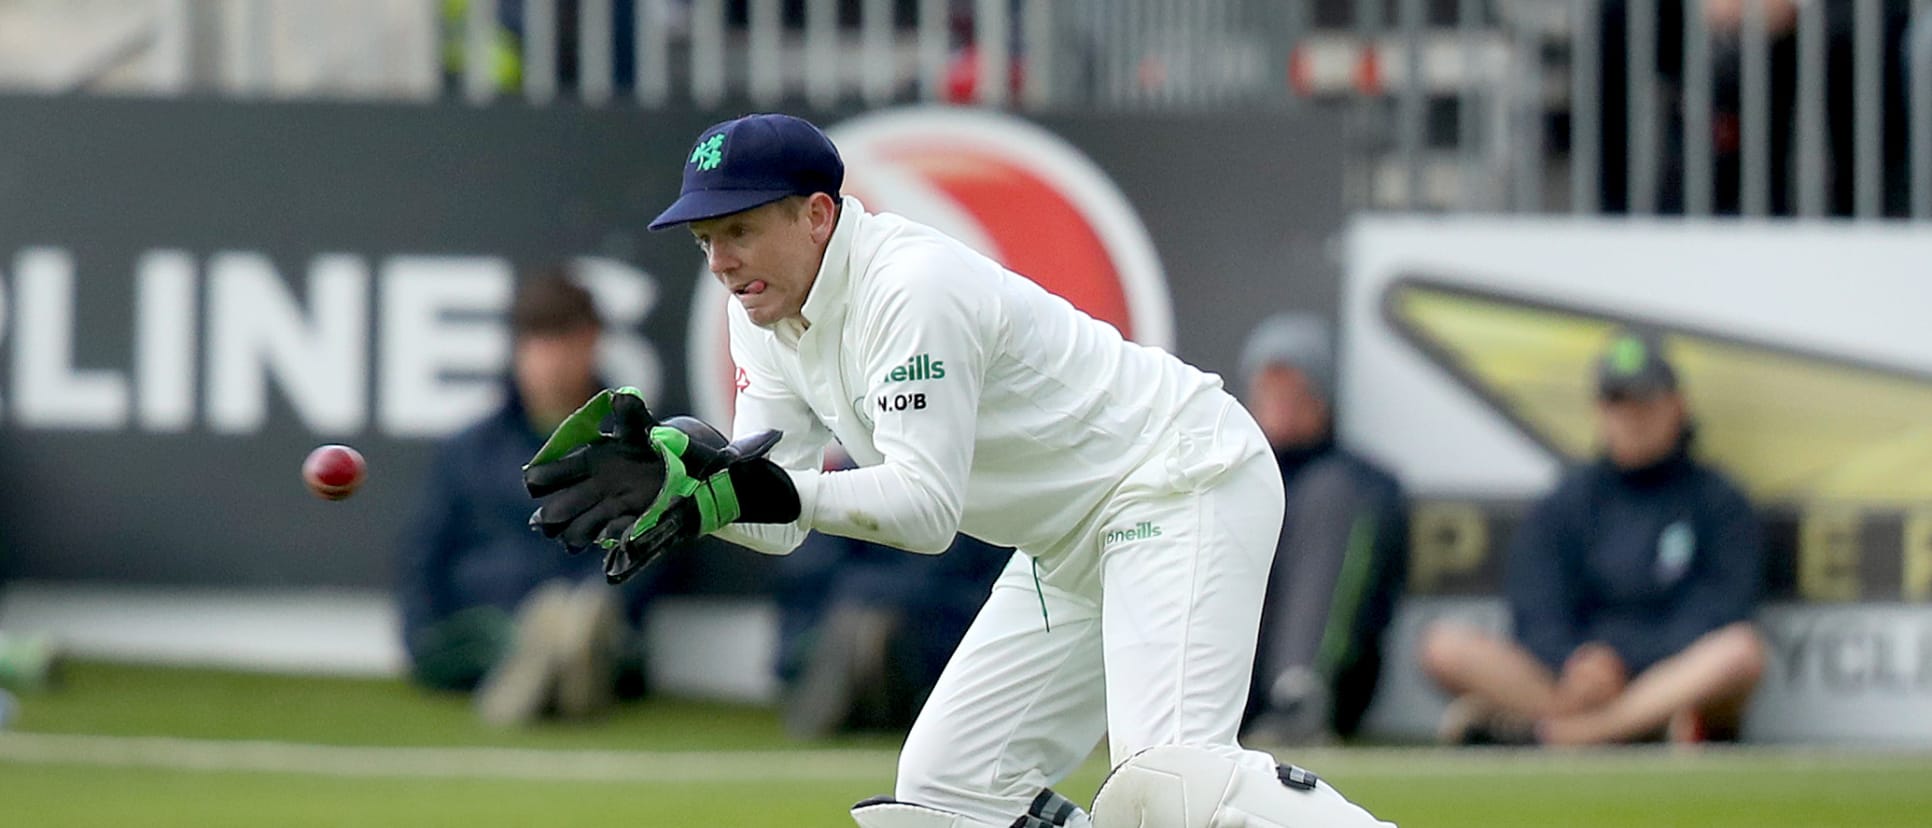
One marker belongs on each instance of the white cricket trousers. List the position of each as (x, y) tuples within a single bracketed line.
[(1154, 646)]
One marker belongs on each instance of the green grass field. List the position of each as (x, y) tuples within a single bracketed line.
[(141, 746)]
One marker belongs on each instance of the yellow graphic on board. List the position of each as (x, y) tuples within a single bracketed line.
[(1786, 425)]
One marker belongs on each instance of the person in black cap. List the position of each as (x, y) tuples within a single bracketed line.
[(1142, 498), (1631, 588)]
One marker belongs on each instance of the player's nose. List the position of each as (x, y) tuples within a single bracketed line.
[(719, 262)]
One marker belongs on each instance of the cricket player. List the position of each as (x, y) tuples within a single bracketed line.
[(1142, 498)]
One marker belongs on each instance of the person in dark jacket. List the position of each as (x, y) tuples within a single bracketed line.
[(1341, 560), (487, 604), (1631, 588)]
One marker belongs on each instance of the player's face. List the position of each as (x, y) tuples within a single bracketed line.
[(768, 256), (1640, 431)]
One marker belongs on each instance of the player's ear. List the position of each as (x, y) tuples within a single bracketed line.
[(822, 210)]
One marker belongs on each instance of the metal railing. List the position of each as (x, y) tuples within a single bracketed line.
[(1802, 108), (1805, 108), (1030, 53), (1758, 108)]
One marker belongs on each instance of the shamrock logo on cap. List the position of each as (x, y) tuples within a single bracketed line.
[(708, 153)]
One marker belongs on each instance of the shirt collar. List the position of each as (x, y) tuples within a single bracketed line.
[(827, 299)]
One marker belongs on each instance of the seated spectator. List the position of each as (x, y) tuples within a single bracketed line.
[(1631, 588), (864, 630), (488, 605), (1339, 564)]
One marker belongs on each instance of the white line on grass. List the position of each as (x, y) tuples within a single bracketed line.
[(504, 763), (684, 767)]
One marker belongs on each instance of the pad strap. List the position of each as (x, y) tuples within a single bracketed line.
[(1048, 810), (1051, 810), (886, 812)]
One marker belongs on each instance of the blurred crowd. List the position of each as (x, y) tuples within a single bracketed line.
[(1631, 586)]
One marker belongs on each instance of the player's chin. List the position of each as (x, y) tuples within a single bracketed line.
[(760, 313)]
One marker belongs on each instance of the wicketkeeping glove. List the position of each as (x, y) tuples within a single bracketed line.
[(611, 475)]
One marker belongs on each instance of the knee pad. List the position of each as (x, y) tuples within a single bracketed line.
[(1172, 786), (1049, 810)]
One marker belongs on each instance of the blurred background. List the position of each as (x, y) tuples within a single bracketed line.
[(232, 230)]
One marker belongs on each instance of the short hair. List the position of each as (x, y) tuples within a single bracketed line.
[(549, 303)]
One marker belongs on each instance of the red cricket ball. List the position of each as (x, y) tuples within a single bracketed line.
[(333, 472)]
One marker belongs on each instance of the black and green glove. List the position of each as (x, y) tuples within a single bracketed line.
[(611, 475), (597, 470)]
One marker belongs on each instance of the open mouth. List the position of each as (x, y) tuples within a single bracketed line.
[(751, 288)]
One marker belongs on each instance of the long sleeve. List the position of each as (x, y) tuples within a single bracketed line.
[(1539, 581), (764, 402), (1337, 568), (1388, 568), (921, 346), (428, 547)]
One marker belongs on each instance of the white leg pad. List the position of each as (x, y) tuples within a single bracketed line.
[(887, 813), (1184, 787)]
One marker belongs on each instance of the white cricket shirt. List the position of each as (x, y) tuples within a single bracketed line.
[(971, 399)]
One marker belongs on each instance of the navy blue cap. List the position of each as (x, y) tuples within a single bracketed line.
[(754, 160)]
